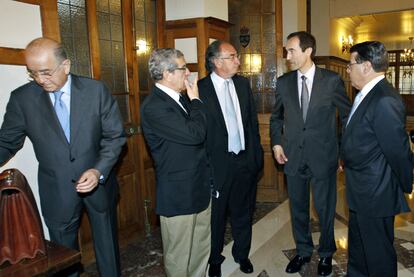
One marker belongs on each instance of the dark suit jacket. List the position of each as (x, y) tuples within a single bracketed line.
[(96, 141), (217, 142), (176, 140), (316, 140), (377, 155)]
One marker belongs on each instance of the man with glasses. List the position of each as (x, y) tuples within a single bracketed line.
[(174, 127), (303, 133), (377, 162), (76, 130), (235, 153)]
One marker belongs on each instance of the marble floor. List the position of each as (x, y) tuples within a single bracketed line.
[(273, 245)]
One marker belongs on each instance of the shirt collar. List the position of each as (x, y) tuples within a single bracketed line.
[(309, 74), (66, 87), (368, 86), (217, 79), (170, 92)]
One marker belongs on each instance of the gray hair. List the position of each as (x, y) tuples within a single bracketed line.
[(163, 59)]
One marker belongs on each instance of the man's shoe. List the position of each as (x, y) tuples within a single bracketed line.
[(325, 266), (214, 270), (246, 266), (297, 262)]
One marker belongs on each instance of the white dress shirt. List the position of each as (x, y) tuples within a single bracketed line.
[(219, 88)]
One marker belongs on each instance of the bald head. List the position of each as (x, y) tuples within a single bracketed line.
[(47, 63), (42, 45)]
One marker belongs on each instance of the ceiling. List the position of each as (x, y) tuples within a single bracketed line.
[(393, 28)]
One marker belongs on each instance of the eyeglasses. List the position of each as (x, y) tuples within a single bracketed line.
[(183, 68), (348, 66), (47, 74), (231, 57)]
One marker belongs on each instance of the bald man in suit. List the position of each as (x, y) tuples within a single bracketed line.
[(76, 129)]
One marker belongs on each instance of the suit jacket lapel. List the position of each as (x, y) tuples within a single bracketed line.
[(241, 98), (214, 104), (293, 87), (49, 113), (79, 106), (168, 99), (316, 90), (362, 108)]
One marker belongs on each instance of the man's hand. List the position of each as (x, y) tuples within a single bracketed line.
[(88, 181), (279, 154), (192, 89)]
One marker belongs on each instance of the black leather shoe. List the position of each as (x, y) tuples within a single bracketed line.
[(214, 270), (297, 262), (325, 266), (246, 266)]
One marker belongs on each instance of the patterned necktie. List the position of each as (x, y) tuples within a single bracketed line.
[(233, 128), (357, 100), (62, 113), (304, 98)]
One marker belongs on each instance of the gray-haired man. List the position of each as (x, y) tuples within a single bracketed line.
[(175, 130)]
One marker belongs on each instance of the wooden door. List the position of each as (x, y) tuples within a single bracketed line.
[(113, 60)]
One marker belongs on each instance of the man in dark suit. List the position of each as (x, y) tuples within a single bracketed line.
[(175, 131), (76, 129), (234, 150), (304, 138), (378, 163)]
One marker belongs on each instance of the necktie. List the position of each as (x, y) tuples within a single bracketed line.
[(304, 98), (185, 103), (233, 128), (62, 113), (357, 100)]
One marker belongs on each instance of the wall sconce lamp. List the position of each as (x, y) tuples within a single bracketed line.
[(256, 63), (347, 43), (141, 46)]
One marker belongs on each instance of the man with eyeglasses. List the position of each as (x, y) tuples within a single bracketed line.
[(233, 147), (377, 162), (76, 130), (303, 133), (174, 127)]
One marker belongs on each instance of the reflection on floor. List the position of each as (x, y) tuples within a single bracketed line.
[(273, 246)]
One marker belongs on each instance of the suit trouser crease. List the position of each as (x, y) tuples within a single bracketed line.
[(104, 234), (324, 198), (370, 246), (186, 243), (237, 200)]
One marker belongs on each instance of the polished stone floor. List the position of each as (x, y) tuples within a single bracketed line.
[(273, 246), (144, 257)]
